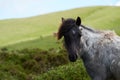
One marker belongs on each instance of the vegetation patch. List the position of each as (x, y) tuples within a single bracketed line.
[(71, 71), (37, 64), (28, 63)]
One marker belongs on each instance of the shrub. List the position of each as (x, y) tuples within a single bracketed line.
[(72, 71), (26, 63), (9, 71), (37, 64)]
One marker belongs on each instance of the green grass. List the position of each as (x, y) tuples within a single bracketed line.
[(42, 43), (16, 31)]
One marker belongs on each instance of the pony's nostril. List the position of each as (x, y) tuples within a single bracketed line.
[(73, 58)]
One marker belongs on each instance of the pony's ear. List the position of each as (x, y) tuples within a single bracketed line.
[(62, 19), (78, 21)]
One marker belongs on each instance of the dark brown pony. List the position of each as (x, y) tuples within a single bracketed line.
[(99, 50)]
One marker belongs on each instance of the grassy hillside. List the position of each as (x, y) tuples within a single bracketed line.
[(19, 30), (44, 43)]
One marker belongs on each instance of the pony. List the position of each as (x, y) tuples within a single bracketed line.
[(98, 49)]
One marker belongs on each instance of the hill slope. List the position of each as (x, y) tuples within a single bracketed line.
[(18, 30)]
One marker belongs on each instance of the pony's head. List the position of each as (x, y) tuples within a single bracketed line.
[(69, 29)]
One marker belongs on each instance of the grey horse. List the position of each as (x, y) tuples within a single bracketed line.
[(99, 50)]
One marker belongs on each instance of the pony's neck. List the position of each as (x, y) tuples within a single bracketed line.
[(88, 39), (89, 36)]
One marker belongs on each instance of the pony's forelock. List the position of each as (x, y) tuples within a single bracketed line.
[(64, 27)]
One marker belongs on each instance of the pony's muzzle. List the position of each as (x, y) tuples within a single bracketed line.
[(73, 58)]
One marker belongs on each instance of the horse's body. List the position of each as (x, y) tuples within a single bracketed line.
[(101, 54), (99, 50)]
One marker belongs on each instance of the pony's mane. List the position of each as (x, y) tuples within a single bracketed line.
[(65, 27), (89, 29), (107, 34)]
